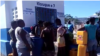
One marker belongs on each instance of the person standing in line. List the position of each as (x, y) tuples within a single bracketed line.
[(70, 27), (91, 42), (87, 22), (60, 35), (36, 30), (98, 33), (47, 36), (23, 39), (13, 38), (70, 34)]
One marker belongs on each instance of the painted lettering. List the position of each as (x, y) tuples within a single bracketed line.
[(45, 5), (28, 10)]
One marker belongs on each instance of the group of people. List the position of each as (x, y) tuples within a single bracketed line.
[(21, 39)]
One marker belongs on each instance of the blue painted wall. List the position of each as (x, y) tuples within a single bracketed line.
[(3, 34), (5, 39), (5, 47)]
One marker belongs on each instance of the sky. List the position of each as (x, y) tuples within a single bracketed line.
[(81, 8)]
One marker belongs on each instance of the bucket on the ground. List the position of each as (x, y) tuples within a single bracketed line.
[(37, 43)]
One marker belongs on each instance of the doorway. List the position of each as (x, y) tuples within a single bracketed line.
[(45, 14)]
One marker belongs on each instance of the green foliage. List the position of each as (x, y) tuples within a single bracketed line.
[(68, 17)]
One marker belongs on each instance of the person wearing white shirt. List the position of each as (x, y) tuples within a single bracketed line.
[(23, 39)]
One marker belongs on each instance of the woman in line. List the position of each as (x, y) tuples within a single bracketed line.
[(60, 38), (23, 39), (47, 36)]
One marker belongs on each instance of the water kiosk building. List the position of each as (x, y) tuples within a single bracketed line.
[(31, 12)]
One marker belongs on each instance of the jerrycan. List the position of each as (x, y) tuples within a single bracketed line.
[(81, 37), (81, 50)]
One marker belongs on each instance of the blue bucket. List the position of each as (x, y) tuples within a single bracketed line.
[(73, 46), (36, 46)]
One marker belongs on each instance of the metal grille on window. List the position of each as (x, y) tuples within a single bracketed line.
[(12, 9), (16, 12), (12, 13), (15, 8), (13, 17), (16, 16)]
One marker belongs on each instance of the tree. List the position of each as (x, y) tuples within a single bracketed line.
[(98, 13), (68, 17), (76, 21)]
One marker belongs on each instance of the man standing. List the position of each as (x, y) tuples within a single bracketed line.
[(70, 27), (98, 33), (13, 38), (91, 42)]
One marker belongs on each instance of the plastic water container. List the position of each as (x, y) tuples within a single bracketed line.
[(73, 52), (37, 43), (81, 37), (81, 50)]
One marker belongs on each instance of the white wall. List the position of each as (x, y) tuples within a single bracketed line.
[(9, 13), (30, 19), (20, 9), (2, 15), (6, 15)]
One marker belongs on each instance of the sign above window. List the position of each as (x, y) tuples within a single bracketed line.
[(45, 5)]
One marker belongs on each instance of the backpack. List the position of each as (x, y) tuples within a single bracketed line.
[(33, 29), (98, 32)]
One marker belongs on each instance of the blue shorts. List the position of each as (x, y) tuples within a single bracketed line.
[(23, 52), (92, 45)]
